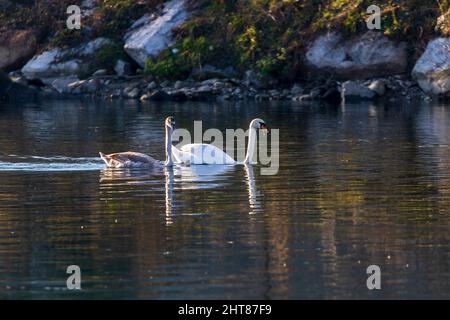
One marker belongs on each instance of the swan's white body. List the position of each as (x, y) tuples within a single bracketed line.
[(201, 153), (139, 160)]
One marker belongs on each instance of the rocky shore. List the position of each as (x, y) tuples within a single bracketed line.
[(100, 86), (367, 66)]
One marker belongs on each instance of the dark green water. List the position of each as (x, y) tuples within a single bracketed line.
[(358, 185)]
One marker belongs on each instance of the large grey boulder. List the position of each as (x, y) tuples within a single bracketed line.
[(56, 63), (16, 47), (46, 68), (432, 70), (149, 36), (366, 56)]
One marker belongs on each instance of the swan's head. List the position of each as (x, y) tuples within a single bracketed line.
[(170, 122), (259, 124)]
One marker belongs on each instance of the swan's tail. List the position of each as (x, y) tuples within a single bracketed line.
[(105, 158)]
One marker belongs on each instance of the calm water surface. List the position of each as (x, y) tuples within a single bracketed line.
[(358, 185)]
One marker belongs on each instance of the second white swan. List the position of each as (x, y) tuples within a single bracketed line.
[(202, 153)]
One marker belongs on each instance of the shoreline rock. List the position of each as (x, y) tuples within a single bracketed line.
[(354, 91), (366, 67), (432, 70), (56, 63), (16, 47), (148, 36), (366, 56), (139, 87)]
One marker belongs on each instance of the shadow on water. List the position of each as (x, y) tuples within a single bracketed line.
[(359, 184)]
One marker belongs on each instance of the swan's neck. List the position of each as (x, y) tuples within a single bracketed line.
[(251, 146), (169, 161)]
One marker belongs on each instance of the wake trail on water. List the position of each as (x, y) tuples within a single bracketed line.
[(55, 163)]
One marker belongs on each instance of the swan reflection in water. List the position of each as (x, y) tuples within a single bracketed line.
[(116, 182), (254, 196)]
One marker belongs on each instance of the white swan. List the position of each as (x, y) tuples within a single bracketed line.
[(132, 159), (201, 153)]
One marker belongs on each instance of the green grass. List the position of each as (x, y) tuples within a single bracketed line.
[(177, 62), (107, 56)]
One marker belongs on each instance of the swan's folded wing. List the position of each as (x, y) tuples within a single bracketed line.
[(132, 157)]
